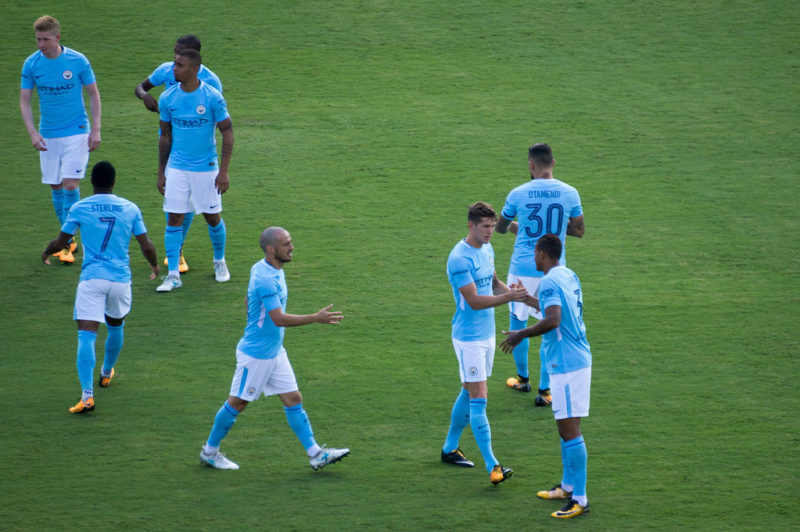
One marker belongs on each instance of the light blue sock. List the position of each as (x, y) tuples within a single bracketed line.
[(482, 431), (223, 421), (521, 351), (114, 341), (576, 462), (298, 421), (459, 419), (187, 223), (218, 235), (71, 197), (58, 204), (566, 481), (172, 248), (544, 377), (86, 359)]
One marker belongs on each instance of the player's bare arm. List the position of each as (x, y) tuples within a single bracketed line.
[(149, 252), (141, 91), (223, 179), (551, 320), (96, 108), (164, 149), (502, 225), (27, 118), (324, 315), (58, 243), (575, 227)]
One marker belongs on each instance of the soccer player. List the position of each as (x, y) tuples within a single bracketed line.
[(569, 363), (262, 366), (189, 176), (476, 290), (163, 75), (107, 223), (64, 138), (542, 205)]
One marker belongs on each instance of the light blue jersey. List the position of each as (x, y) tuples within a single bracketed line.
[(59, 82), (540, 206), (107, 223), (266, 291), (164, 75), (565, 348), (466, 265), (194, 117)]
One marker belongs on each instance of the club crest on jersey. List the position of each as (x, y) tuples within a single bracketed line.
[(201, 109), (67, 74), (473, 371), (251, 390)]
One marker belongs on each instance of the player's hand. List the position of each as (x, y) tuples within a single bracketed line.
[(517, 292), (222, 182), (94, 140), (513, 338), (161, 183), (150, 103), (154, 272), (331, 318), (38, 142)]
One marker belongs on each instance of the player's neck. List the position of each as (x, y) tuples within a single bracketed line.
[(275, 263), (54, 54), (190, 85), (547, 174), (473, 242), (548, 267)]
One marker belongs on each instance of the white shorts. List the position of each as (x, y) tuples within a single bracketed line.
[(475, 359), (519, 309), (65, 158), (97, 298), (571, 393), (191, 191), (257, 376)]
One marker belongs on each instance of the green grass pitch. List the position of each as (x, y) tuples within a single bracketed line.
[(366, 127)]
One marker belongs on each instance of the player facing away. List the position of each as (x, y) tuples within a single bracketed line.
[(189, 175), (163, 75), (64, 137), (542, 205), (569, 362), (476, 290), (107, 223), (262, 366)]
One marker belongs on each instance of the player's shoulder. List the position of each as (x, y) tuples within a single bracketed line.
[(564, 186), (170, 92), (33, 58), (208, 75), (211, 91), (74, 55)]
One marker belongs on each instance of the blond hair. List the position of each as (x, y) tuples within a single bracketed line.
[(47, 23)]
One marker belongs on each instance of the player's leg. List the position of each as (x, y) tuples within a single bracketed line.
[(218, 235), (521, 382), (88, 312), (543, 396), (570, 404), (282, 382), (177, 202), (74, 155), (477, 360), (459, 419), (208, 200), (183, 266), (118, 304), (246, 386)]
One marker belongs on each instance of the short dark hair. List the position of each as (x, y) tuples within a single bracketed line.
[(551, 245), (104, 175), (541, 154), (480, 210), (189, 41), (193, 56)]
